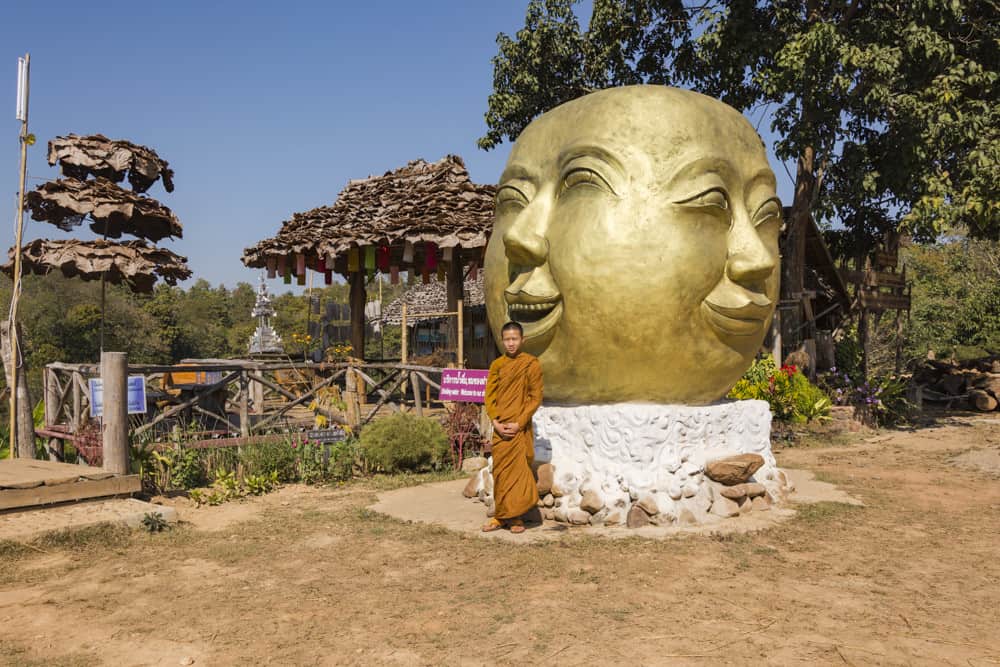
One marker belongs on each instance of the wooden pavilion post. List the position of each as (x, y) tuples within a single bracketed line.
[(114, 380), (358, 299), (454, 290)]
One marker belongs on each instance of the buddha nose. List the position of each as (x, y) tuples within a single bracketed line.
[(750, 261), (524, 241)]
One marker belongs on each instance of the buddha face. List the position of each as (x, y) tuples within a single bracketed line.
[(636, 242)]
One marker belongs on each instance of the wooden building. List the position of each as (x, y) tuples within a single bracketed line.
[(428, 219), (428, 333)]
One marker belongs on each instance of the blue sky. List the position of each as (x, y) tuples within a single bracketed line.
[(262, 109)]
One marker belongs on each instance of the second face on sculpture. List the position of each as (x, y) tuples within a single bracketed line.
[(636, 241)]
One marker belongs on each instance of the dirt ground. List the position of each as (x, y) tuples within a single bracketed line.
[(311, 577)]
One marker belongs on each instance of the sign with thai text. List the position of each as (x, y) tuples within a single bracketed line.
[(136, 396), (326, 436), (460, 384)]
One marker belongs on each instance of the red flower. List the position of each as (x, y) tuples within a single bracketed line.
[(789, 369)]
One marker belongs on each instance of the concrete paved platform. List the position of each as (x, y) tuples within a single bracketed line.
[(442, 504)]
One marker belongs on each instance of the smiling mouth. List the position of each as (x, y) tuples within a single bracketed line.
[(745, 320), (535, 318)]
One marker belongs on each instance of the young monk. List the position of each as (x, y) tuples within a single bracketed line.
[(513, 393)]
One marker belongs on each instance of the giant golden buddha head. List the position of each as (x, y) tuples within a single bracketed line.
[(636, 241)]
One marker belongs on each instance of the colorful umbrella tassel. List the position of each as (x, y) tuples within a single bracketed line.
[(382, 260), (353, 259), (394, 275), (430, 256), (300, 264)]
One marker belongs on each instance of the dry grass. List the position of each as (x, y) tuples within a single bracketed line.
[(908, 579)]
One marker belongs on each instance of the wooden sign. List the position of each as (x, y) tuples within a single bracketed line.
[(886, 260), (326, 436), (874, 278), (875, 301)]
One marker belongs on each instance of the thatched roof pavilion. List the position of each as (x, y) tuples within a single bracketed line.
[(424, 217)]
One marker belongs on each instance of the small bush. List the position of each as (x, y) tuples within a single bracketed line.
[(278, 456), (789, 393), (404, 443)]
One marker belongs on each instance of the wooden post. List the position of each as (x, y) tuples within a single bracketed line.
[(114, 378), (52, 412), (454, 292), (403, 334), (776, 336), (362, 389), (415, 380), (461, 333), (22, 437), (77, 420), (864, 332), (351, 399), (358, 298), (244, 405)]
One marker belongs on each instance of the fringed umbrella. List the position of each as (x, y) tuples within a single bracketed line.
[(134, 263), (114, 211), (110, 158)]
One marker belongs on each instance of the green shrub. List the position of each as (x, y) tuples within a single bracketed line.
[(789, 393), (187, 470), (276, 456), (404, 442), (332, 462)]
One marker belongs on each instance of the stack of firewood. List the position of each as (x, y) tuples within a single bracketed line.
[(976, 382)]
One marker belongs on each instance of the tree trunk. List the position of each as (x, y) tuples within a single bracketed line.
[(25, 423)]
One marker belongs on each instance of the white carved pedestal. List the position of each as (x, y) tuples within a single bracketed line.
[(643, 463)]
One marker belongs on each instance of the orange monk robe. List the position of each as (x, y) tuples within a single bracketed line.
[(513, 393)]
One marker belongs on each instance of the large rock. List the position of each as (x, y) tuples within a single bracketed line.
[(474, 464), (761, 503), (734, 469), (740, 491), (549, 500), (545, 477), (637, 518), (613, 518), (725, 507), (591, 502), (471, 489), (648, 505), (578, 517)]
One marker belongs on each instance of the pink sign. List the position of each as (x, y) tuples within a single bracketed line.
[(459, 384)]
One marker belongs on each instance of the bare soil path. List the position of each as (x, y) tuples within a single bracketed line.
[(311, 577)]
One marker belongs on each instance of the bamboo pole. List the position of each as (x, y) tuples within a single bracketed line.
[(15, 360), (403, 354), (461, 335)]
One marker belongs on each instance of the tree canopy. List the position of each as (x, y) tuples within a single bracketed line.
[(888, 108)]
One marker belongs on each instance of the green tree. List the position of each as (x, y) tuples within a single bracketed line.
[(889, 109)]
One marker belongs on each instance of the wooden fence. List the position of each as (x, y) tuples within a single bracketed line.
[(240, 399)]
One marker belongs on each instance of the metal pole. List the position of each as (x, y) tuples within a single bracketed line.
[(15, 359)]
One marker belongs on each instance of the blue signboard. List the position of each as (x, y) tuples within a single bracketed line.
[(136, 396)]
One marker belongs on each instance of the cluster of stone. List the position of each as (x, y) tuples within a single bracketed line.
[(662, 465)]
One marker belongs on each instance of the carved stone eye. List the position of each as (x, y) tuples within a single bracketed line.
[(714, 198)]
